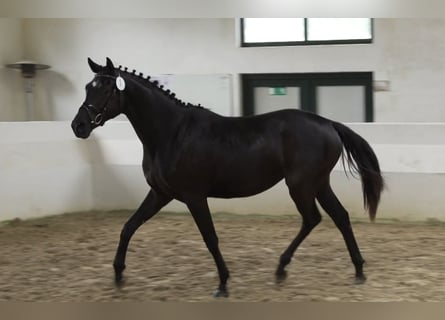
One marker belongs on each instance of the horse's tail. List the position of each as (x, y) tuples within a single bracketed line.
[(362, 160)]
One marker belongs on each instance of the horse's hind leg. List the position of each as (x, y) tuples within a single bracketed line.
[(340, 216), (305, 202), (149, 207)]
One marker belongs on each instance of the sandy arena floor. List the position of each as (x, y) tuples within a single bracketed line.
[(69, 258)]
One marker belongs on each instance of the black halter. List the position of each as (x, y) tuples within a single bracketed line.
[(96, 117)]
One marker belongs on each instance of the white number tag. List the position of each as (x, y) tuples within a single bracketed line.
[(120, 83)]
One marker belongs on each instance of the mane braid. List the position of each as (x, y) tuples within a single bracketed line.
[(167, 92)]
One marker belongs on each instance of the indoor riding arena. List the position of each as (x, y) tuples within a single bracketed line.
[(166, 150)]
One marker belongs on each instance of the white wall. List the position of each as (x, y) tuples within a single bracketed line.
[(409, 53), (11, 85), (45, 170), (153, 46), (413, 60)]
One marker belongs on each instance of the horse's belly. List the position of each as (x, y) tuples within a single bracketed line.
[(243, 185)]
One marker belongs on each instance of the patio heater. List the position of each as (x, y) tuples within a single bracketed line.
[(28, 69)]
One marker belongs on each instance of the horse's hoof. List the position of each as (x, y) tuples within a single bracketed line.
[(360, 279), (221, 293), (280, 276)]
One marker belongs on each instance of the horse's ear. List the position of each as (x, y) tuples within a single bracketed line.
[(110, 65), (94, 66)]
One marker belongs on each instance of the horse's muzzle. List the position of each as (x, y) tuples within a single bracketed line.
[(81, 124), (81, 129)]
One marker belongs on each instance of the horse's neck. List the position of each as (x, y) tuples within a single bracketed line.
[(153, 118)]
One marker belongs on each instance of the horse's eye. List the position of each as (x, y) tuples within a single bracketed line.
[(94, 84)]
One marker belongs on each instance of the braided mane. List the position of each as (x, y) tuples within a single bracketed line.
[(155, 84)]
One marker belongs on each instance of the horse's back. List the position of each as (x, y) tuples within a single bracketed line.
[(271, 135), (283, 126)]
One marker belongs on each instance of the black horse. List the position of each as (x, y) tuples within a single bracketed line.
[(191, 153)]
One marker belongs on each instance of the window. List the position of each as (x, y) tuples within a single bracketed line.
[(304, 31), (340, 96)]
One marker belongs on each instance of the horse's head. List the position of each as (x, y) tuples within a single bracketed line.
[(103, 99)]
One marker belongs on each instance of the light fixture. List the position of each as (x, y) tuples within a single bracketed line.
[(28, 69)]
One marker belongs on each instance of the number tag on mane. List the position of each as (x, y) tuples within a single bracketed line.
[(120, 83)]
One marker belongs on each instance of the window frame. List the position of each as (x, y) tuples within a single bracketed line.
[(305, 42)]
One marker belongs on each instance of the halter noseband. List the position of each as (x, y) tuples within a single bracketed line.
[(96, 117)]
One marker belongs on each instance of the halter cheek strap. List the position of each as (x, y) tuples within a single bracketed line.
[(96, 117)]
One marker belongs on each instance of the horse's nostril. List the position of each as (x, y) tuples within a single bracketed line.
[(80, 128)]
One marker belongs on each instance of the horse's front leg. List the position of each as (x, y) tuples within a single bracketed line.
[(201, 214), (152, 203)]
